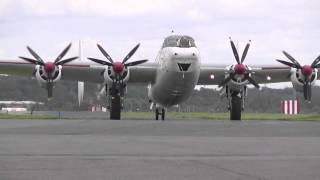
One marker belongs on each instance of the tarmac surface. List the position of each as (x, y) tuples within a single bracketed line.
[(155, 150)]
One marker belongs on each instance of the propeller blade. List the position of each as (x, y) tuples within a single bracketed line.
[(136, 62), (253, 82), (35, 55), (287, 63), (31, 60), (316, 66), (225, 81), (62, 54), (244, 54), (105, 53), (62, 62), (235, 52), (100, 61), (292, 59), (130, 53), (315, 62)]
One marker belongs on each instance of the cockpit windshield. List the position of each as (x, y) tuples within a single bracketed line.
[(179, 41)]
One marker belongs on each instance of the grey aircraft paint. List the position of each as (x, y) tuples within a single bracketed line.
[(178, 72)]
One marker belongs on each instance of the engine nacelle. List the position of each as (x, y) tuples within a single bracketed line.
[(110, 76), (238, 82), (298, 79), (42, 76)]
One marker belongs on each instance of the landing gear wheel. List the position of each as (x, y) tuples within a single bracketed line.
[(115, 108), (50, 89), (157, 114), (162, 113), (235, 108)]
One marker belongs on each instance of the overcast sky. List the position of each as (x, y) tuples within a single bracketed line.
[(272, 25)]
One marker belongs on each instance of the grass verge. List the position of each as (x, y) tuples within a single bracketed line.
[(175, 115), (26, 116), (223, 116)]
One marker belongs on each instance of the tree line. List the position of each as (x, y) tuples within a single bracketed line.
[(201, 100)]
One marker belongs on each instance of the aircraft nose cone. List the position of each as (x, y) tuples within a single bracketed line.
[(117, 67), (306, 70), (49, 67), (239, 69)]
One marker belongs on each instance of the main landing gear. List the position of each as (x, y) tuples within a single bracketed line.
[(115, 97), (236, 103), (235, 106), (162, 112)]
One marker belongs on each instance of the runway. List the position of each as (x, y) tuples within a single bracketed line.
[(155, 150)]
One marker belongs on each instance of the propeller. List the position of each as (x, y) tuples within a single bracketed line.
[(306, 71), (49, 67), (118, 67), (239, 68)]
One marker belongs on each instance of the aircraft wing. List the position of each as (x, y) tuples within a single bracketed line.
[(215, 74), (143, 73), (79, 71)]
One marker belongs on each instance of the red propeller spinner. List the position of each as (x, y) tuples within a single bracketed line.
[(118, 67), (306, 70), (49, 67), (239, 69)]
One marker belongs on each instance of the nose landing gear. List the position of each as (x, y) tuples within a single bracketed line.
[(160, 111)]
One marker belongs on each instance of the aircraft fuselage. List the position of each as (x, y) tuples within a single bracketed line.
[(177, 75)]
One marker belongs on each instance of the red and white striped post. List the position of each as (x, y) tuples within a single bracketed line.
[(290, 106)]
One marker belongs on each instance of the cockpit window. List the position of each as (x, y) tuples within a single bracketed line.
[(179, 41), (184, 42)]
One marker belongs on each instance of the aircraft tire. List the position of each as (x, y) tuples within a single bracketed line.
[(163, 114), (157, 114), (235, 109), (115, 109), (50, 89)]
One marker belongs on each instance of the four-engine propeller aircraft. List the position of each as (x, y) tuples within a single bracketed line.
[(171, 78)]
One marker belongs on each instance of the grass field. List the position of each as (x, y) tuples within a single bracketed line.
[(25, 116), (224, 116), (176, 115)]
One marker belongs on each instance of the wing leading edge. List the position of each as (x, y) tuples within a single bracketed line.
[(214, 75), (79, 71)]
